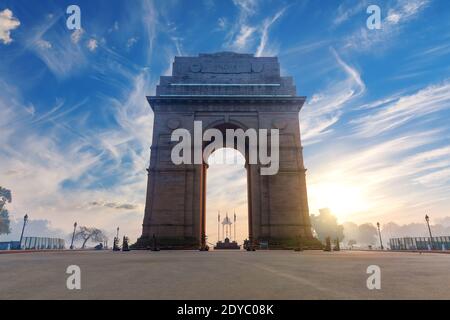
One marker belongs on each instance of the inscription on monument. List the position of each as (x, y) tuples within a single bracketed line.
[(227, 67)]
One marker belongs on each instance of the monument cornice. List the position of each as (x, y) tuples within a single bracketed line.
[(294, 103)]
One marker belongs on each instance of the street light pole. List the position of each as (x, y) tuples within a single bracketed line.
[(427, 219), (379, 233), (117, 233), (218, 226), (73, 235), (25, 219)]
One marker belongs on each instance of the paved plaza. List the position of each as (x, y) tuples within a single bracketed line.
[(224, 275)]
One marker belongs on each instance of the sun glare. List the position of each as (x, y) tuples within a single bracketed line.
[(343, 200)]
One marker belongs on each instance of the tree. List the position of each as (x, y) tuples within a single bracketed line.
[(5, 196), (325, 224), (351, 243), (351, 231), (93, 234), (367, 233), (4, 222)]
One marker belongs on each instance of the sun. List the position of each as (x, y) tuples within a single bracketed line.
[(342, 199)]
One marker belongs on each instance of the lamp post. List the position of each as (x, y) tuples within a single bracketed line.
[(427, 219), (234, 236), (117, 233), (379, 233), (73, 235), (25, 219), (218, 227)]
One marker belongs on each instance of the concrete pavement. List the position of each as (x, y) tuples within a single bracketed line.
[(224, 275)]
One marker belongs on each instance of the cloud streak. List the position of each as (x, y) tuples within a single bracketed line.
[(398, 164), (244, 35), (325, 108), (261, 50), (402, 12), (405, 109)]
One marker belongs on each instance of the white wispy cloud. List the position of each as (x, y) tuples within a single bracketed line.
[(92, 44), (384, 178), (261, 50), (349, 9), (304, 48), (178, 45), (247, 7), (36, 165), (150, 22), (7, 23), (405, 10), (76, 35), (438, 177), (244, 34), (325, 108), (131, 42), (242, 39), (50, 43), (402, 12), (399, 162), (405, 109), (43, 44), (355, 76), (115, 205), (240, 36), (222, 23)]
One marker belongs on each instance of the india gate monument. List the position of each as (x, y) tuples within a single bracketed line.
[(225, 91)]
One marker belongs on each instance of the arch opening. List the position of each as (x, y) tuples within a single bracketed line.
[(226, 195)]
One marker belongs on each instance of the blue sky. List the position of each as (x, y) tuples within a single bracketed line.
[(76, 128)]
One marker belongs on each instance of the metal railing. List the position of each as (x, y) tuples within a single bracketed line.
[(420, 243)]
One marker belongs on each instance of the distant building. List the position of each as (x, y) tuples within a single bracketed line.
[(420, 243)]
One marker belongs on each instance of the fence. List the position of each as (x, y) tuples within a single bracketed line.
[(420, 243), (9, 245), (38, 243)]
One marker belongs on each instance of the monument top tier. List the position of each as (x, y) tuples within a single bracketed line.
[(226, 74)]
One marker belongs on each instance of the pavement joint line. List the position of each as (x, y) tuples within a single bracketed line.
[(295, 278)]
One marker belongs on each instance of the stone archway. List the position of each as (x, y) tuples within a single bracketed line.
[(227, 195), (225, 90), (222, 127)]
